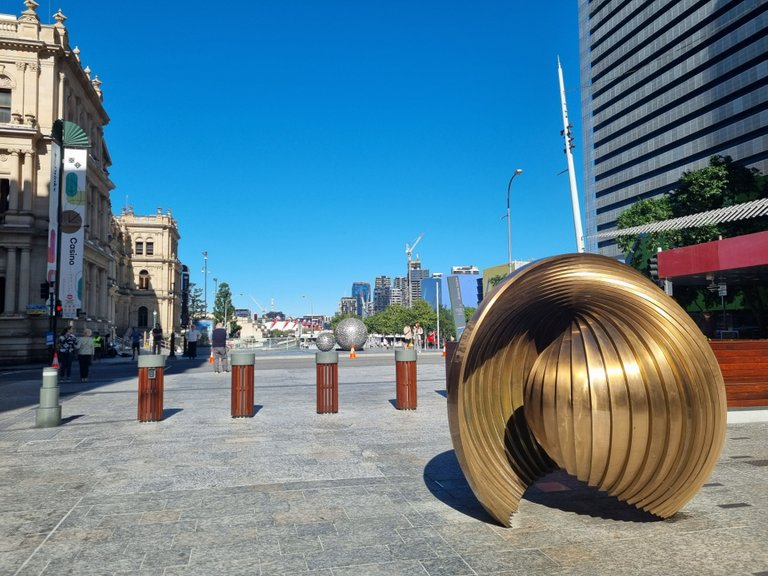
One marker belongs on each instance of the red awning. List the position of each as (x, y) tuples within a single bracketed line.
[(748, 253)]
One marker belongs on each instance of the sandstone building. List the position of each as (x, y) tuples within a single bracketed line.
[(41, 81)]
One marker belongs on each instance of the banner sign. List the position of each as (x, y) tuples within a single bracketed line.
[(53, 212), (72, 232)]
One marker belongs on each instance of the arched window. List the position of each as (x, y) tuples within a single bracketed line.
[(143, 318), (143, 280), (139, 247), (150, 247)]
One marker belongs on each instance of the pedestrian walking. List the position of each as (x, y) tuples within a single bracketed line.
[(135, 342), (418, 336), (85, 354), (157, 339), (98, 346), (408, 336), (193, 335), (219, 344), (67, 351)]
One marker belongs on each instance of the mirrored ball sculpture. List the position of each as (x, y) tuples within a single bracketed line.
[(351, 332), (325, 341), (578, 362)]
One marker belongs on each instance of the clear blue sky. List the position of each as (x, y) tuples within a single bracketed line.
[(303, 143)]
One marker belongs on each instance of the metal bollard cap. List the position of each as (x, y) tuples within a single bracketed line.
[(405, 355), (152, 361), (330, 357), (242, 358)]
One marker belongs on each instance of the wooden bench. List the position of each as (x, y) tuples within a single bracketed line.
[(744, 364)]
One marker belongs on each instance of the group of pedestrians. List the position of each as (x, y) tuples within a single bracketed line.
[(71, 347), (414, 336)]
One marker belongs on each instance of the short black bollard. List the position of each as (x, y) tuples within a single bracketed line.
[(242, 383), (151, 368), (48, 414), (327, 382), (405, 376)]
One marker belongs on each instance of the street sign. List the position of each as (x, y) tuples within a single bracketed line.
[(722, 289)]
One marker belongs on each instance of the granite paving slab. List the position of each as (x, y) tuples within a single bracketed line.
[(368, 491)]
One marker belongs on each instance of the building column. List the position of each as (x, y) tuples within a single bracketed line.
[(10, 280), (28, 175), (24, 279), (103, 295), (13, 184)]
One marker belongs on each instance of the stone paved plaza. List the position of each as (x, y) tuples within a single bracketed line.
[(368, 491)]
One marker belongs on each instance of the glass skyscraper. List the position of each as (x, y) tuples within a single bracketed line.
[(667, 84)]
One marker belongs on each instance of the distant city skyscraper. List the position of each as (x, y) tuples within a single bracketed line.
[(666, 85), (382, 292), (361, 292), (415, 275), (348, 305)]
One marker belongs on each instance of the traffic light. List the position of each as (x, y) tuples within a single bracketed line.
[(45, 290), (653, 267), (58, 308)]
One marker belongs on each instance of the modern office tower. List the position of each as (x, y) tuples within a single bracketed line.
[(415, 275), (382, 289), (396, 296), (361, 292), (666, 85)]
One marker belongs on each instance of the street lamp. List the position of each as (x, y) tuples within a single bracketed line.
[(205, 273), (437, 286), (509, 225)]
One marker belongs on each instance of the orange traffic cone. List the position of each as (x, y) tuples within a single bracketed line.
[(210, 358), (55, 363), (443, 349), (352, 353)]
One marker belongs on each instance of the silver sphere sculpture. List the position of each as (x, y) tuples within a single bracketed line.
[(325, 341), (351, 332)]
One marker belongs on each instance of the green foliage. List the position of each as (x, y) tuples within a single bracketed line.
[(223, 310), (495, 280), (718, 185), (196, 303), (394, 318)]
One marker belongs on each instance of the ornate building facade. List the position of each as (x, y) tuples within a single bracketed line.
[(149, 288), (41, 81)]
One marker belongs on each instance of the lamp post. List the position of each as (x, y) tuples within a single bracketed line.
[(509, 225), (205, 273), (437, 339)]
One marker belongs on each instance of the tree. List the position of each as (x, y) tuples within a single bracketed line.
[(196, 304), (723, 183), (718, 185), (222, 305)]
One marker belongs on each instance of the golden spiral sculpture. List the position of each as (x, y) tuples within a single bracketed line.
[(581, 363)]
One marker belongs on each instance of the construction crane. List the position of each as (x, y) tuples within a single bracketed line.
[(408, 252)]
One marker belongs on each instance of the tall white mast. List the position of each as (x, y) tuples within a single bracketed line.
[(571, 173)]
